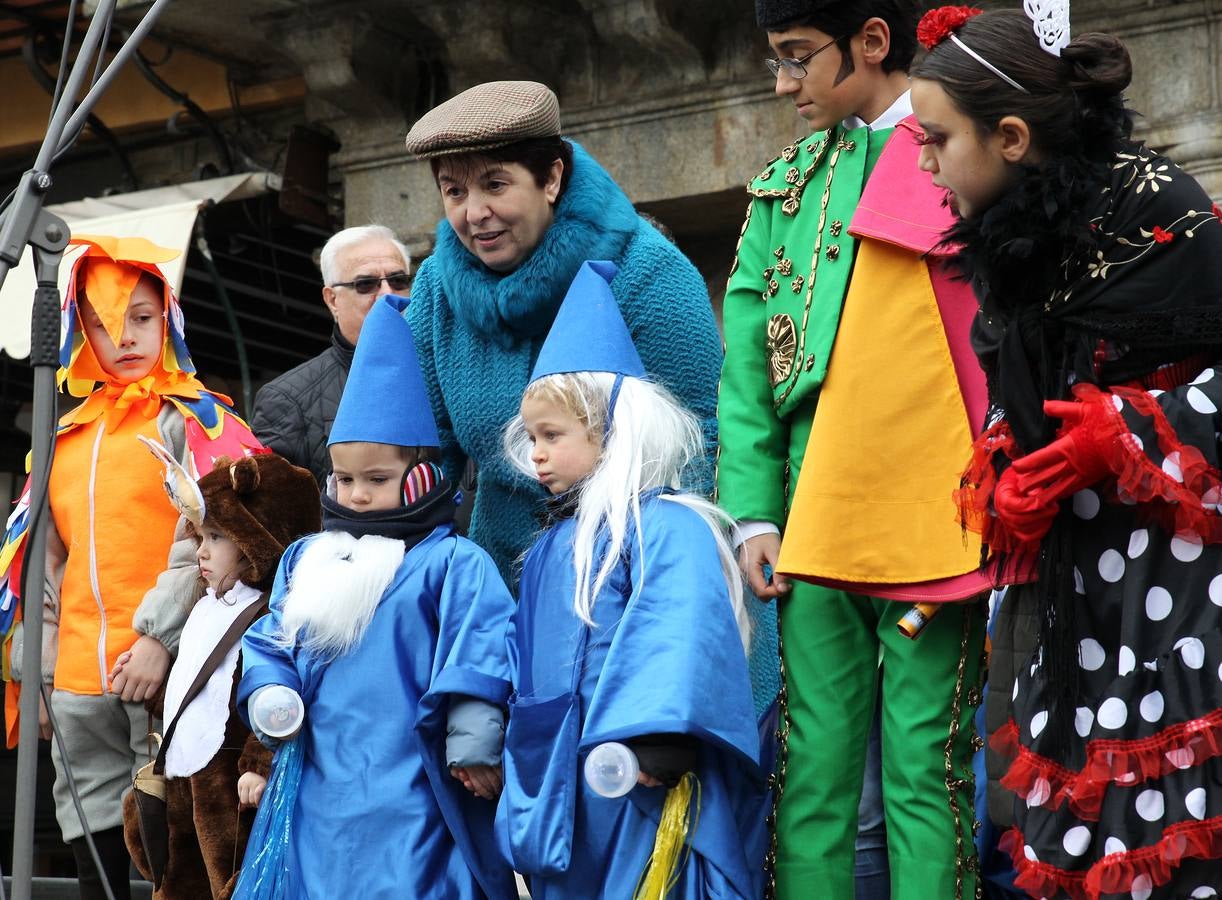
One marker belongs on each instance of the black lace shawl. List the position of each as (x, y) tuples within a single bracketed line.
[(1087, 270), (1127, 250)]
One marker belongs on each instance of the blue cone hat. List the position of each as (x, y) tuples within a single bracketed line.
[(385, 400), (589, 334)]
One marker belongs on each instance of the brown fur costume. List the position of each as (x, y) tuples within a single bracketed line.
[(261, 503)]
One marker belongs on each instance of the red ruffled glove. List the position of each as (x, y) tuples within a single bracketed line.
[(1075, 460), (1028, 494), (1025, 517)]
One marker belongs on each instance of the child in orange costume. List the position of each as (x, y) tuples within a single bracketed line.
[(111, 533)]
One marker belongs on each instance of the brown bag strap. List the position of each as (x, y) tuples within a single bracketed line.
[(245, 619)]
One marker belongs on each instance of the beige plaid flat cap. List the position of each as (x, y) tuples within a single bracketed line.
[(488, 115)]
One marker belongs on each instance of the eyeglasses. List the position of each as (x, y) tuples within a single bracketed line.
[(367, 284), (795, 68)]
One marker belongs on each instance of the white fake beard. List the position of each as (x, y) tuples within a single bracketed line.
[(335, 589)]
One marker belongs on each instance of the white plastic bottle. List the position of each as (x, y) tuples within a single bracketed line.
[(611, 769), (276, 711)]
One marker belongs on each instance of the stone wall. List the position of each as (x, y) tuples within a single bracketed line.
[(670, 95)]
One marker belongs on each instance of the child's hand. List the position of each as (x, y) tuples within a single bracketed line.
[(142, 673), (648, 780), (482, 781), (123, 659), (250, 789)]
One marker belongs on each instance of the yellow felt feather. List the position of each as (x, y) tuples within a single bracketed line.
[(680, 813)]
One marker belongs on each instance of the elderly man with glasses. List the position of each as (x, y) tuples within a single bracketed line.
[(293, 413)]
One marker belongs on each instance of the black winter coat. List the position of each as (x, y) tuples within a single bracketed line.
[(293, 413)]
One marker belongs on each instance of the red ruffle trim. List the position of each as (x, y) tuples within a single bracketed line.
[(1116, 873), (974, 498), (1179, 506), (1187, 505), (1119, 763)]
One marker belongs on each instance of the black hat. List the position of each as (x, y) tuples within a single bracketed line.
[(771, 13)]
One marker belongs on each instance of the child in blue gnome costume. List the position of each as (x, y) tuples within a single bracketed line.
[(630, 627), (391, 628)]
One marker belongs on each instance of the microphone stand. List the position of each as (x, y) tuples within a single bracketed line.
[(23, 223)]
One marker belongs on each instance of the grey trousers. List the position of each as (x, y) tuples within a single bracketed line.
[(106, 741)]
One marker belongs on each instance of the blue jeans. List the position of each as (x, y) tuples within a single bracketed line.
[(872, 872)]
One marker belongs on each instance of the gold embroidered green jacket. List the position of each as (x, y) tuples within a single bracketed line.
[(782, 307)]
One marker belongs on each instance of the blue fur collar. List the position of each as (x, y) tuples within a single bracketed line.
[(594, 220)]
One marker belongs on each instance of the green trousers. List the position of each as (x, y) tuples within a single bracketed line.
[(835, 647), (831, 645)]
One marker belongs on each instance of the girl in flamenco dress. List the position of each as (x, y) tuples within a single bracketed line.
[(1098, 266)]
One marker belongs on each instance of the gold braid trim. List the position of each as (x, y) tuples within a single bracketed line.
[(964, 861), (815, 253), (792, 195), (777, 779)]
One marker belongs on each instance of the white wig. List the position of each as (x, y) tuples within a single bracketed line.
[(340, 241), (651, 439)]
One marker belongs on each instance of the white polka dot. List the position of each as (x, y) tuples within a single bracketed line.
[(1076, 840), (1195, 802), (1127, 778), (1083, 721), (1041, 790), (1203, 377), (1200, 402), (1181, 757), (1171, 465), (1111, 566), (1204, 892), (1113, 713), (1150, 805), (1186, 547), (1192, 652), (1158, 603), (1215, 590), (1029, 852), (1151, 706), (1155, 392), (1139, 540), (1038, 722), (1220, 672), (1212, 498), (1118, 403), (1014, 693), (1086, 504), (1091, 654), (1142, 888), (1126, 661), (1137, 441), (1079, 585), (1114, 845)]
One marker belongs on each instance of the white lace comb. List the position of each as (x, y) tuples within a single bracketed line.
[(1050, 20)]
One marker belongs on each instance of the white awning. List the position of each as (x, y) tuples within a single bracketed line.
[(165, 216)]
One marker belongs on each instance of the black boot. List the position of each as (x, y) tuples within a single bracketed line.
[(116, 863)]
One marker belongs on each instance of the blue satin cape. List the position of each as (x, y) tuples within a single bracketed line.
[(664, 657), (377, 813)]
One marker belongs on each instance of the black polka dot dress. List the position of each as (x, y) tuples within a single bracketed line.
[(1133, 807)]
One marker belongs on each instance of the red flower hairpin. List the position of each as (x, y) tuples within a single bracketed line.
[(938, 23)]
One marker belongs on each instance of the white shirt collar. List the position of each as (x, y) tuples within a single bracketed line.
[(895, 113)]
